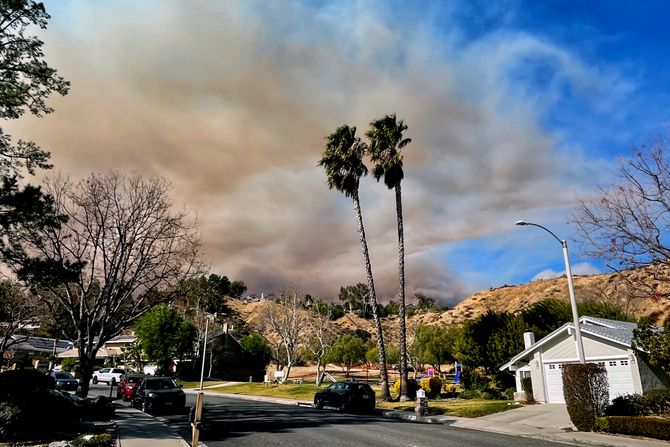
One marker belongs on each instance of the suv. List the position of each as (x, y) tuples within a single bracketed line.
[(110, 376), (346, 396)]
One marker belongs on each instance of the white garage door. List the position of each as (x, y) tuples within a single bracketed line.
[(619, 374)]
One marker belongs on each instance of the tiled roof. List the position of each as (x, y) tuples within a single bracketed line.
[(623, 335)]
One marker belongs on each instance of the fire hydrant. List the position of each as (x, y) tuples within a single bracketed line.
[(421, 406)]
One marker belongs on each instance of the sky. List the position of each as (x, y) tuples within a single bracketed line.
[(516, 109)]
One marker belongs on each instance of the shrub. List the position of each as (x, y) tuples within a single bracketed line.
[(432, 386), (449, 389), (412, 386), (509, 393), (103, 440), (68, 364), (470, 394), (473, 380), (19, 384), (653, 402), (652, 427), (586, 393)]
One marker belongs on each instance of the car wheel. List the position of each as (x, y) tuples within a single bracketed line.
[(112, 382), (95, 380), (146, 407), (318, 403)]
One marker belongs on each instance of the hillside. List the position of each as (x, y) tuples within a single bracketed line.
[(612, 287)]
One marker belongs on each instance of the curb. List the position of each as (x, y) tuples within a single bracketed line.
[(163, 421)]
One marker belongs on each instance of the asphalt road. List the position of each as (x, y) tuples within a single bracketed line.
[(249, 423)]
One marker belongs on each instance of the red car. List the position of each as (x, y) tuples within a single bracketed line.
[(124, 390)]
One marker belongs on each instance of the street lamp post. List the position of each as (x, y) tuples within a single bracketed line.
[(199, 398), (571, 289)]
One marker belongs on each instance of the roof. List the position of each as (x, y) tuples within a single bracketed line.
[(39, 344), (620, 332)]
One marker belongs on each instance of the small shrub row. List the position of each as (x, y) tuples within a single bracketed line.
[(652, 427), (477, 394), (653, 402), (412, 387), (103, 440)]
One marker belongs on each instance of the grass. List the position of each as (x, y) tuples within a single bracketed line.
[(196, 384), (304, 391), (467, 408)]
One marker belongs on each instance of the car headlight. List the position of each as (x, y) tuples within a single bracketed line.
[(151, 395)]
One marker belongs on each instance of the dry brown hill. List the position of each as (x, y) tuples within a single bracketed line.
[(653, 302)]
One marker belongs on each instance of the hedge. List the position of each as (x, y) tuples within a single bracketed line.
[(586, 393), (653, 427), (651, 403)]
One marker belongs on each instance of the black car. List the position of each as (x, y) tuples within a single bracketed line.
[(64, 381), (155, 394), (349, 396)]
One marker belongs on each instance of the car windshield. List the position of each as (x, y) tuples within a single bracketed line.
[(135, 379), (160, 384), (63, 375)]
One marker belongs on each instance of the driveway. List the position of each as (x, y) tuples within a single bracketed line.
[(526, 420)]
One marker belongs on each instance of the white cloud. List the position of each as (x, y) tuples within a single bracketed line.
[(583, 268)]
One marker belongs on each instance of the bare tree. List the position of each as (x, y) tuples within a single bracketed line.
[(121, 250), (321, 337), (628, 223), (285, 320), (17, 311)]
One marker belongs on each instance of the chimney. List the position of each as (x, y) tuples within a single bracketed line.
[(528, 339)]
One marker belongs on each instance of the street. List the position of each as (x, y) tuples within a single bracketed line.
[(251, 423)]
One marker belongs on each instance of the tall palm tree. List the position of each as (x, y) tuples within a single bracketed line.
[(386, 142), (343, 161)]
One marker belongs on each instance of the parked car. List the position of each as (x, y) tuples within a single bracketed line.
[(346, 396), (110, 376), (155, 394), (64, 381), (127, 383)]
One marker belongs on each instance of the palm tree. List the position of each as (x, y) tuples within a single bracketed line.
[(386, 141), (343, 162)]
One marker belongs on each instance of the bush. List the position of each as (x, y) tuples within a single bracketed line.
[(19, 384), (472, 380), (412, 386), (586, 393), (509, 393), (652, 427), (103, 440), (68, 364), (449, 389), (432, 386), (470, 394), (653, 402)]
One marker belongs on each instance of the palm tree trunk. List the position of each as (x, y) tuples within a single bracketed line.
[(385, 393), (401, 292)]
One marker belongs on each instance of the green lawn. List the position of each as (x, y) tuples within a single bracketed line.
[(469, 408)]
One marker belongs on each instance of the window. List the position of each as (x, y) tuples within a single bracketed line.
[(552, 366), (624, 362), (612, 362), (601, 364)]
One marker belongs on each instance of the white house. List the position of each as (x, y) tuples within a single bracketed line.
[(608, 342)]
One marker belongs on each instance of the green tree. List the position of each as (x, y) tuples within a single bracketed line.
[(346, 352), (386, 142), (654, 343), (425, 302), (27, 82), (237, 289), (434, 345), (343, 163), (165, 335), (354, 297), (258, 348)]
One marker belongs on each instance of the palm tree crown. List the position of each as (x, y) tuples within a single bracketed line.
[(343, 160), (386, 140)]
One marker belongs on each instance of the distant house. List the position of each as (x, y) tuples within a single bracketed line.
[(607, 342), (35, 351), (228, 360)]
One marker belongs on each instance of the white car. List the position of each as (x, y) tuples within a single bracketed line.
[(110, 376)]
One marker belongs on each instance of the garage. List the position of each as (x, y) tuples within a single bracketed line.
[(619, 374)]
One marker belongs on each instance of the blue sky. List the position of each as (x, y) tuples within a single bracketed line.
[(515, 109)]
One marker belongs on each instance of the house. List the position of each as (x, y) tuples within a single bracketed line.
[(228, 360), (607, 342), (35, 351)]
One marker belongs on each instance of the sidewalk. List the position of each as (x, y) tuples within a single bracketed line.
[(138, 429)]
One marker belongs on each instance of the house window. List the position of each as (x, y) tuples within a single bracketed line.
[(601, 363), (552, 366), (560, 366), (612, 362), (624, 362)]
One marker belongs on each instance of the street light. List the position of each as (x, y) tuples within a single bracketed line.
[(571, 289), (200, 397)]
